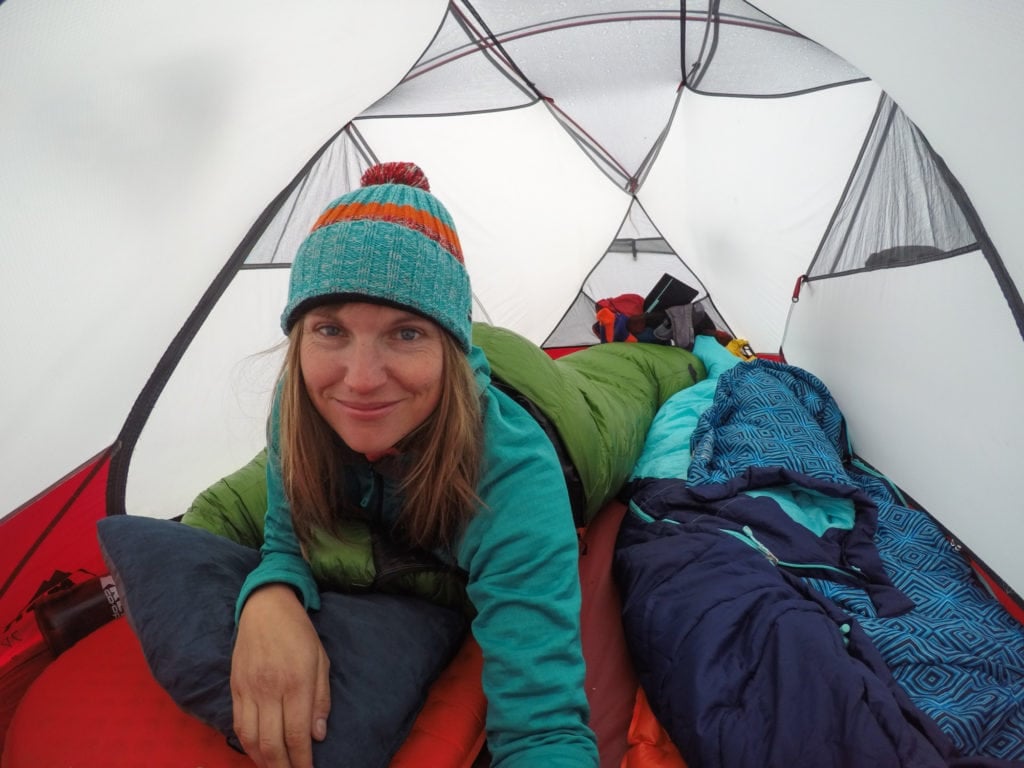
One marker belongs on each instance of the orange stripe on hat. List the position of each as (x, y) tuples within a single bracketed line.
[(405, 215)]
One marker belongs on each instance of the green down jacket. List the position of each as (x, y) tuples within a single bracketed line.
[(596, 405)]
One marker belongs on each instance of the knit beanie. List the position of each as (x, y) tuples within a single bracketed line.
[(390, 240)]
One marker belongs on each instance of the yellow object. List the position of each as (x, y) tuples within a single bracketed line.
[(741, 348)]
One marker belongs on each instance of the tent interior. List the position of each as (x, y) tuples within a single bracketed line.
[(866, 154)]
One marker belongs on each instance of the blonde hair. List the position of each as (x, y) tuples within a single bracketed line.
[(443, 456)]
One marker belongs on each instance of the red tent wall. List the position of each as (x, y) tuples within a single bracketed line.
[(54, 532)]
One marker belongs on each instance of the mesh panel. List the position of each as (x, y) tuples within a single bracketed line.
[(460, 72), (747, 53), (897, 208), (609, 70), (575, 328), (621, 271), (337, 171), (633, 263), (614, 77), (712, 312)]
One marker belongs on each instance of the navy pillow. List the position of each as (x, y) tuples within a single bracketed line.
[(179, 586)]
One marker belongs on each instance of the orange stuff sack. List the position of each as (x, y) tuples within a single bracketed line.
[(649, 745)]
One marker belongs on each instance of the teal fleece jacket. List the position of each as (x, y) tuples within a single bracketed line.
[(520, 552)]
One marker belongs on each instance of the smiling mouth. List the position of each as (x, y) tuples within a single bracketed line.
[(366, 410)]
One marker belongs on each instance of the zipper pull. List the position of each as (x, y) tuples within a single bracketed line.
[(760, 547), (369, 492)]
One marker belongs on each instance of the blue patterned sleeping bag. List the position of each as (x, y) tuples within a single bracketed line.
[(768, 414), (958, 653), (956, 656)]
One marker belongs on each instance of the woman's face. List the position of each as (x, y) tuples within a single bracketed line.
[(373, 372)]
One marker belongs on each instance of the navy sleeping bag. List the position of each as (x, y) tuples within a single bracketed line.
[(743, 662)]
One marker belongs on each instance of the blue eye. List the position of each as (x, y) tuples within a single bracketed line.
[(409, 334)]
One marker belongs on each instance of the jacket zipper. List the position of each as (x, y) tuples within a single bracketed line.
[(748, 538)]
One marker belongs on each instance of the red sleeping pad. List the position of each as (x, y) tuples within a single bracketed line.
[(98, 706)]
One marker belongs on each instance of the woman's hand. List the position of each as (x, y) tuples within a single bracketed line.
[(280, 688)]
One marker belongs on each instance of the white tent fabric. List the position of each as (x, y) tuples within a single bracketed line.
[(138, 145), (140, 142)]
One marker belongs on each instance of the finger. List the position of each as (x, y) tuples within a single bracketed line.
[(297, 724), (246, 725), (270, 744), (322, 697)]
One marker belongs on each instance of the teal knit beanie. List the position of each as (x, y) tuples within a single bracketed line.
[(391, 241)]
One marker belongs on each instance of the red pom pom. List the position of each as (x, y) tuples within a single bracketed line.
[(409, 174)]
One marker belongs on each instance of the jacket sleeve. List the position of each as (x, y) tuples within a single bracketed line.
[(521, 552), (281, 560)]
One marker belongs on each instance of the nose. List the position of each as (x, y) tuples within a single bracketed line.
[(364, 370)]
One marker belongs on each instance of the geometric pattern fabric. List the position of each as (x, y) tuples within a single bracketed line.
[(959, 655), (768, 414)]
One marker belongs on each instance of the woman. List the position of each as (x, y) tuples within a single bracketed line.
[(385, 413)]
